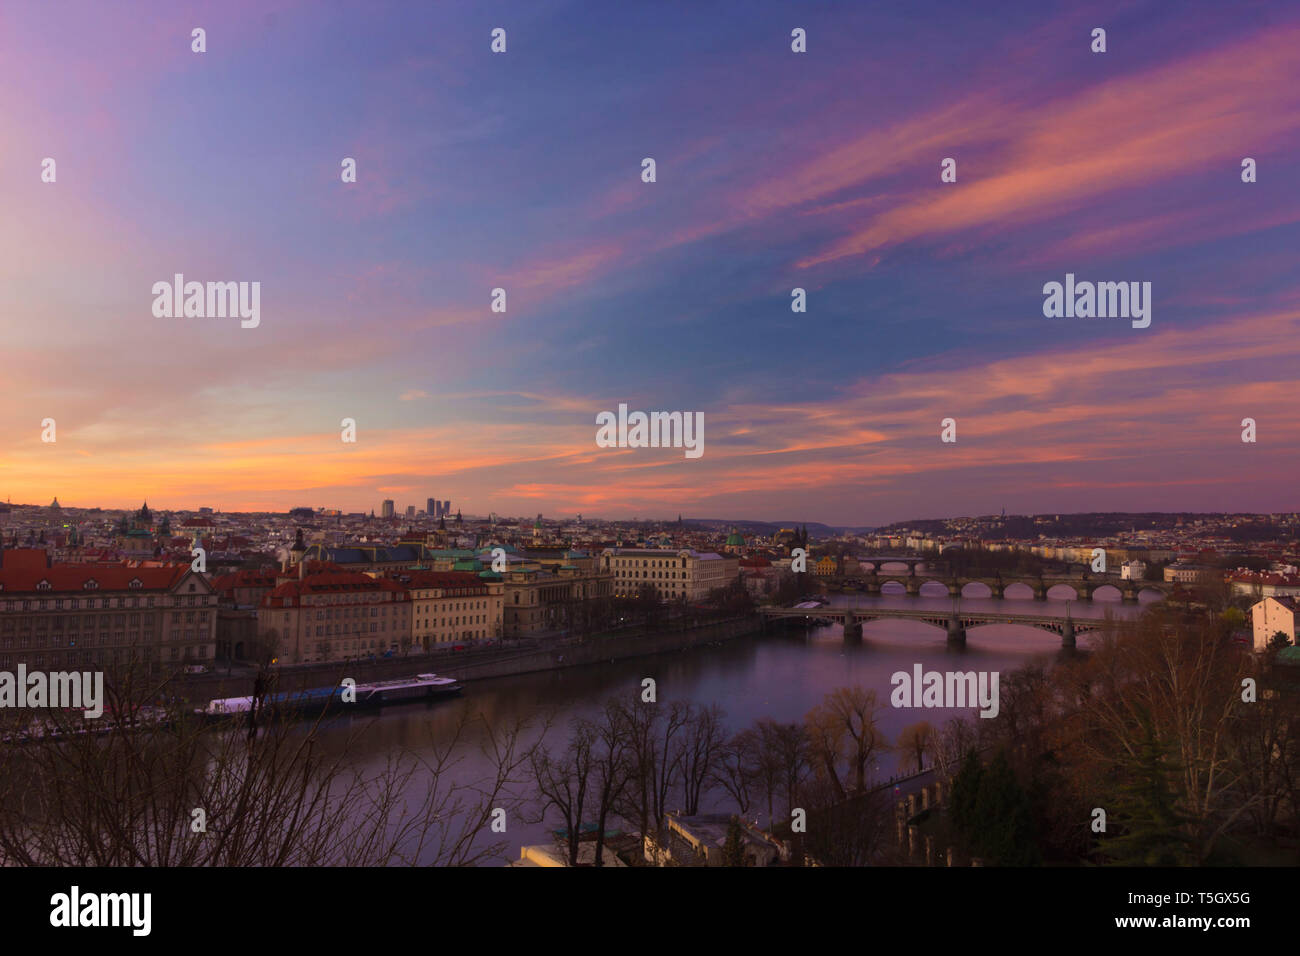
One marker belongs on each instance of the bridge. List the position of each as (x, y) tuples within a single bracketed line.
[(954, 622), (1083, 585)]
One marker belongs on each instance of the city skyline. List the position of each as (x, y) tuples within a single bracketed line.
[(776, 171)]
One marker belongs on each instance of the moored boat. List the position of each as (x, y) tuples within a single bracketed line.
[(369, 694)]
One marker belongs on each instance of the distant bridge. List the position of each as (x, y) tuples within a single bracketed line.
[(955, 623), (1083, 585)]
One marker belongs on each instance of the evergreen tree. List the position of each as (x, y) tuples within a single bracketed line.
[(1152, 827), (1003, 829), (965, 790), (733, 851)]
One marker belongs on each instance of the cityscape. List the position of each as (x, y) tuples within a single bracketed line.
[(610, 436)]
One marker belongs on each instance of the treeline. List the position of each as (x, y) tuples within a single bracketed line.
[(637, 761), (1165, 745)]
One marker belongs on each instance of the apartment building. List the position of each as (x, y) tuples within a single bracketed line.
[(332, 615), (57, 616), (450, 606), (537, 601), (678, 574)]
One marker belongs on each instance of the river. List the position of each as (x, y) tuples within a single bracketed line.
[(775, 675)]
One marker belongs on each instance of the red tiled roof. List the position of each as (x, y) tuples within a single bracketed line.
[(337, 582), (439, 579), (28, 558), (73, 577)]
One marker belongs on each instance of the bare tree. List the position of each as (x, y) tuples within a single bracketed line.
[(699, 755), (151, 786), (563, 782), (914, 742), (845, 727)]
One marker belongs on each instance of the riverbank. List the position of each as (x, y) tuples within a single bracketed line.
[(475, 664)]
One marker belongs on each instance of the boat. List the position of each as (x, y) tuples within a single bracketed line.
[(370, 694)]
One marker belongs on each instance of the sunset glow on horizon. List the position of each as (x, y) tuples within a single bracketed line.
[(775, 171)]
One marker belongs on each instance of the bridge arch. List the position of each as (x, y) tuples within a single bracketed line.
[(1065, 592), (1018, 591), (1150, 595), (1107, 594), (976, 590)]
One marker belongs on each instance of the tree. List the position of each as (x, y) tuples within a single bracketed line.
[(699, 754), (1002, 829), (733, 851), (652, 758), (1153, 829), (736, 770), (965, 794), (844, 727), (127, 795), (564, 781), (914, 742), (1279, 640)]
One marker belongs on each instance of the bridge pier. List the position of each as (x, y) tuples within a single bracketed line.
[(852, 629), (1067, 634), (954, 589), (1040, 591), (956, 633), (1130, 596), (913, 587), (997, 589)]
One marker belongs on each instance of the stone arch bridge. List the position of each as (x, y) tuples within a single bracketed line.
[(1084, 586)]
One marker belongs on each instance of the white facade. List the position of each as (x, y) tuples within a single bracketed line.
[(1133, 571), (1270, 616), (676, 574)]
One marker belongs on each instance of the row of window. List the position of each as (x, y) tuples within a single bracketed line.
[(77, 604)]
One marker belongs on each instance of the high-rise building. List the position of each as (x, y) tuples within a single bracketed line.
[(431, 508), (446, 507), (410, 511), (386, 509)]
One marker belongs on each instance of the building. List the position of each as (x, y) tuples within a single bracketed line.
[(1271, 615), (1265, 584), (1133, 571), (239, 594), (538, 601), (60, 616), (1190, 574), (684, 574), (701, 840), (826, 567), (332, 614), (452, 606), (386, 509), (366, 557)]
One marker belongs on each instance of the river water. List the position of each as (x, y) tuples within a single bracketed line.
[(776, 675)]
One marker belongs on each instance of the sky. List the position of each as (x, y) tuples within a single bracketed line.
[(775, 170)]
